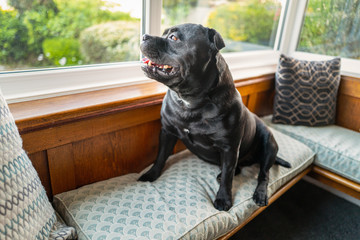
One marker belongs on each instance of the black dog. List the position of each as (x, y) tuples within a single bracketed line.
[(204, 109)]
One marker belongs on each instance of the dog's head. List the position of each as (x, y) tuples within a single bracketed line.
[(184, 53)]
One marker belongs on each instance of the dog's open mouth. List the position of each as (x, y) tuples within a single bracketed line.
[(170, 70)]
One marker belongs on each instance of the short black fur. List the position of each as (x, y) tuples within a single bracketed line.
[(204, 109)]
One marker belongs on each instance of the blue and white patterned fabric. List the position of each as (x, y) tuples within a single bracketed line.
[(337, 149), (25, 211), (178, 205)]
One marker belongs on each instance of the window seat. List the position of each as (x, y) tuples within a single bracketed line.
[(179, 205)]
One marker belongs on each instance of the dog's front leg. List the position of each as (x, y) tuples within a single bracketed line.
[(223, 201), (167, 142)]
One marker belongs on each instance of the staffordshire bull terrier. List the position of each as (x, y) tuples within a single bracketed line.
[(203, 108)]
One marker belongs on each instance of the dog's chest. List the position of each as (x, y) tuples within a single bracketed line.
[(195, 129)]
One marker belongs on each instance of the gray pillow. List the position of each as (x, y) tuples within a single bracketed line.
[(306, 91)]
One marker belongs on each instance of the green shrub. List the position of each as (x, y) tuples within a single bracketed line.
[(75, 16), (111, 42), (177, 10), (62, 51), (13, 37), (35, 21), (334, 35), (251, 21)]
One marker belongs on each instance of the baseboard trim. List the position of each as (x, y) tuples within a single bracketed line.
[(332, 190)]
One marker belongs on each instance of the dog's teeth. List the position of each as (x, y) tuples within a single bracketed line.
[(149, 63), (166, 66)]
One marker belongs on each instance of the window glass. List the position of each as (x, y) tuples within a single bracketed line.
[(55, 33), (332, 28), (245, 25)]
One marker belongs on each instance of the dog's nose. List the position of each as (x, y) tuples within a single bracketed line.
[(146, 37)]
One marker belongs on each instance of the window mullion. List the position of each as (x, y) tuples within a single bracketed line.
[(153, 16), (292, 26)]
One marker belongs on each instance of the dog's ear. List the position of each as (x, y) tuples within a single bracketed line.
[(216, 38)]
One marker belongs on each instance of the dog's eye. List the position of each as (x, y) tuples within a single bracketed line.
[(173, 37)]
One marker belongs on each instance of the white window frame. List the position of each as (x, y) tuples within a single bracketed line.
[(291, 36), (36, 84)]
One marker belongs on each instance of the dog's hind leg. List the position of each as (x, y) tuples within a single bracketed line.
[(167, 142)]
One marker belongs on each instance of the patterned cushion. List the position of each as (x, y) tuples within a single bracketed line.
[(61, 231), (306, 91), (25, 211), (178, 205), (337, 148)]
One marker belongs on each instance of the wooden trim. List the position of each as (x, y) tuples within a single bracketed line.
[(272, 199), (44, 113), (333, 180), (350, 86), (79, 130)]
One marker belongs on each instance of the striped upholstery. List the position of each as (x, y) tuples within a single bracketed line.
[(25, 211)]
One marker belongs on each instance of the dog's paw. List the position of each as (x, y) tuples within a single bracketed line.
[(222, 204), (260, 198), (149, 176)]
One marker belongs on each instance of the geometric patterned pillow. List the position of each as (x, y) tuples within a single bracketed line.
[(25, 211), (306, 91)]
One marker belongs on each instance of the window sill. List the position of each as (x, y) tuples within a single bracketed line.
[(49, 112), (28, 85)]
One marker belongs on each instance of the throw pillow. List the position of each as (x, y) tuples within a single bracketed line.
[(306, 91), (25, 211)]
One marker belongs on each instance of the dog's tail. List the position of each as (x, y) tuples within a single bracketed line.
[(282, 162)]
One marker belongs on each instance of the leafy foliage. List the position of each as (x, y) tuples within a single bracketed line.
[(245, 21), (62, 51), (35, 21), (29, 5), (13, 37), (111, 42), (29, 31), (335, 35), (75, 16), (177, 10)]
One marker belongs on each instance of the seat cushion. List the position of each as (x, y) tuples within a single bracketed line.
[(178, 205), (337, 148), (25, 211), (306, 91)]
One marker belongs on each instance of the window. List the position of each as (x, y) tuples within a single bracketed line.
[(331, 28), (57, 47), (57, 33), (245, 25)]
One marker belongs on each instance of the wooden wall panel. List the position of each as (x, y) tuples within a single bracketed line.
[(114, 154), (79, 130), (348, 112), (348, 103), (62, 168), (40, 163), (264, 103)]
